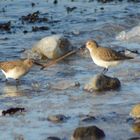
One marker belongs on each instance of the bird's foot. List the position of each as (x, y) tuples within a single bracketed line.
[(104, 70)]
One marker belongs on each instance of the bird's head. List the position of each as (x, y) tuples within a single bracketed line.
[(29, 62), (91, 44)]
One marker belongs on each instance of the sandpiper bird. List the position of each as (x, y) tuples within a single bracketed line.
[(17, 68), (105, 57)]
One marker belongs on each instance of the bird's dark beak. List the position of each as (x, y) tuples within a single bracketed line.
[(82, 48), (36, 63)]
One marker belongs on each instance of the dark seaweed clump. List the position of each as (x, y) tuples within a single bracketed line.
[(33, 17), (36, 28), (12, 111), (5, 26)]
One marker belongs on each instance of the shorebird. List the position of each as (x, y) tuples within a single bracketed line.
[(17, 68), (105, 57)]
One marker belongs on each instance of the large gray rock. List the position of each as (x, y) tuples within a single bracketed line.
[(88, 133), (52, 47), (102, 82)]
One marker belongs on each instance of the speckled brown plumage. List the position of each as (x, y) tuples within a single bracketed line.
[(16, 69)]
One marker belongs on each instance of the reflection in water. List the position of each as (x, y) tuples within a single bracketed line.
[(11, 91)]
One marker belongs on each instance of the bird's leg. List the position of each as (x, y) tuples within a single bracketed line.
[(105, 70), (17, 82)]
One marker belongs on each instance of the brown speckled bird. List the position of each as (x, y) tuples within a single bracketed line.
[(105, 57), (17, 68)]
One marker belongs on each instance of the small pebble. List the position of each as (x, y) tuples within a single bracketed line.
[(88, 118), (57, 118), (135, 112), (53, 138), (33, 4)]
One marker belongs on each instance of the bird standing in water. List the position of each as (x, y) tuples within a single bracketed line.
[(105, 57), (17, 68)]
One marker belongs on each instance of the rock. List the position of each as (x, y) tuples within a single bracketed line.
[(53, 138), (57, 118), (135, 112), (31, 54), (18, 137), (12, 111), (42, 28), (88, 118), (88, 133), (136, 127), (102, 82), (55, 1), (134, 138), (33, 4), (52, 47)]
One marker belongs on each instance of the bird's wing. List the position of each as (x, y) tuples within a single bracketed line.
[(8, 65), (108, 54)]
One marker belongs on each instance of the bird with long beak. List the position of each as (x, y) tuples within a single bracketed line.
[(17, 68), (105, 57)]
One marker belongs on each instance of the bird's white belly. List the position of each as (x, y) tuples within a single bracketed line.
[(13, 74), (105, 64)]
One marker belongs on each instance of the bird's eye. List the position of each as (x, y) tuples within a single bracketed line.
[(89, 43)]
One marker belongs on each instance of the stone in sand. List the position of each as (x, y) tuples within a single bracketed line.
[(102, 82), (88, 133)]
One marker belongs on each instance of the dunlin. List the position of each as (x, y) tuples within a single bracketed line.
[(16, 69), (105, 57)]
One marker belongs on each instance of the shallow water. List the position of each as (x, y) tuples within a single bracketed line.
[(103, 22)]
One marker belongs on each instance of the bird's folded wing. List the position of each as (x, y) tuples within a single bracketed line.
[(108, 54), (8, 65)]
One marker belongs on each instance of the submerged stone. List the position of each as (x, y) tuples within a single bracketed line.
[(57, 118), (102, 82), (52, 47), (88, 118), (12, 111), (5, 26), (88, 133), (136, 127), (65, 84), (134, 138)]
